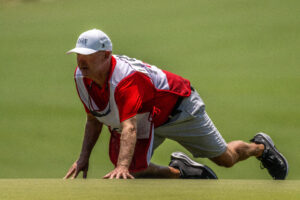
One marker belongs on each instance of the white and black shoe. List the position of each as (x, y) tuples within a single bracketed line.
[(190, 169), (271, 158)]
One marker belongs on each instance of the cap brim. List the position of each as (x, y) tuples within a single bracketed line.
[(83, 51)]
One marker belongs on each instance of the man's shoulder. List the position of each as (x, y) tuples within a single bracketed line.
[(124, 57), (132, 62), (125, 67)]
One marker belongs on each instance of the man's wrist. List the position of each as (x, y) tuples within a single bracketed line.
[(123, 165), (84, 156)]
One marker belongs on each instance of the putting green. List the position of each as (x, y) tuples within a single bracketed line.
[(31, 189), (242, 57)]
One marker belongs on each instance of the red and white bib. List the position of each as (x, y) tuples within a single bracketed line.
[(133, 85)]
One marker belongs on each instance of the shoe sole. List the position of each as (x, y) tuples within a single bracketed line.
[(272, 145), (184, 158)]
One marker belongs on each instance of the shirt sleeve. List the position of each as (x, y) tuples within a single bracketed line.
[(133, 95)]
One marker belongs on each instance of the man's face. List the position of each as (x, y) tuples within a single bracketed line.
[(91, 65)]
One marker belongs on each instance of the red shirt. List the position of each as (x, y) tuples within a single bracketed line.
[(136, 94)]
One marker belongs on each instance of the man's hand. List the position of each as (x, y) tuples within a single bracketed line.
[(78, 166), (119, 172), (92, 131)]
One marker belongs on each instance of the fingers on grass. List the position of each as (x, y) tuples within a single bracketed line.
[(130, 176), (69, 173), (75, 174), (84, 174), (112, 176), (107, 176)]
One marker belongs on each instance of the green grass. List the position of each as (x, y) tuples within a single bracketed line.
[(242, 56), (31, 189)]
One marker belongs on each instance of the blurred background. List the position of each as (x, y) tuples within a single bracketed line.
[(242, 57)]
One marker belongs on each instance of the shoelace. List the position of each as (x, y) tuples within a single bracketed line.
[(271, 162)]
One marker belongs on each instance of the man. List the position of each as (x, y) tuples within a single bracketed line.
[(142, 105)]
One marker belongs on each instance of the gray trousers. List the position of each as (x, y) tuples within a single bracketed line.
[(193, 129)]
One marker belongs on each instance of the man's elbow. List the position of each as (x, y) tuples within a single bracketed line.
[(129, 126), (130, 129)]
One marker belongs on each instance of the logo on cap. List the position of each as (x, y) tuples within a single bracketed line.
[(82, 41)]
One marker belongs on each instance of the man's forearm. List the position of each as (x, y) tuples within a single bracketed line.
[(92, 131), (127, 146)]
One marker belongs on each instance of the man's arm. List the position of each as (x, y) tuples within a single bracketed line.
[(127, 146), (92, 131)]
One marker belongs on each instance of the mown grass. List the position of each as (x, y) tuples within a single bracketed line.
[(242, 57), (47, 189)]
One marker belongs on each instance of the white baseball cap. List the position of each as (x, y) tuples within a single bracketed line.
[(92, 41)]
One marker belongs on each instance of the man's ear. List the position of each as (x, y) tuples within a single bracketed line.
[(107, 54)]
